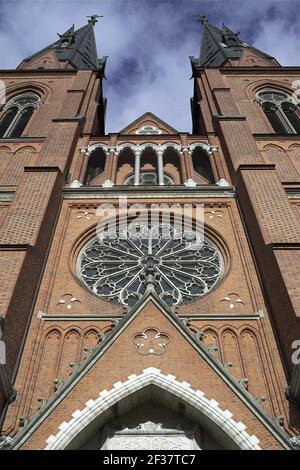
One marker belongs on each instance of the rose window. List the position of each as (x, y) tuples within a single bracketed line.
[(117, 267)]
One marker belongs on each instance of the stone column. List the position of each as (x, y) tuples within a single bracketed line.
[(137, 167), (160, 168), (113, 156), (183, 167), (85, 156), (187, 156)]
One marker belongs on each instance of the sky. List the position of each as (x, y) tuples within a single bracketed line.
[(149, 43)]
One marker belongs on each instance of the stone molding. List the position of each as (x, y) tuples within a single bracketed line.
[(152, 376)]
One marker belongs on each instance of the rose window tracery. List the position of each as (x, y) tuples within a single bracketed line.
[(116, 267)]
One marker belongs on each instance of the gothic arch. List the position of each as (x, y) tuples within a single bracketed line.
[(275, 154), (48, 363), (44, 91), (211, 339), (259, 85), (251, 347), (234, 433), (231, 351), (70, 350), (294, 147), (27, 147), (5, 148)]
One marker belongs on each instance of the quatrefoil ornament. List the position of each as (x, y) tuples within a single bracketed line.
[(151, 341)]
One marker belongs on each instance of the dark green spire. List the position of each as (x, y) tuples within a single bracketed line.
[(78, 48), (219, 45)]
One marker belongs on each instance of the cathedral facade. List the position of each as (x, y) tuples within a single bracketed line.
[(144, 339)]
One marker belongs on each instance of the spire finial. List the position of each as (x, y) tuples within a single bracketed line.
[(201, 18), (93, 18)]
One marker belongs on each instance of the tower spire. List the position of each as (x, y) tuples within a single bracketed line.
[(74, 49), (219, 45)]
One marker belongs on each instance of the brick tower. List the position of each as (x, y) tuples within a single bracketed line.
[(140, 338)]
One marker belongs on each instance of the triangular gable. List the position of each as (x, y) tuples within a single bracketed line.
[(253, 58), (197, 368), (148, 119), (46, 60)]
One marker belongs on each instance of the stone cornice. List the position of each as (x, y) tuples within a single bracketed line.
[(108, 317), (143, 192)]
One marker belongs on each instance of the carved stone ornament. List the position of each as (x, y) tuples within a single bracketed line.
[(295, 441), (151, 436), (151, 341), (5, 442)]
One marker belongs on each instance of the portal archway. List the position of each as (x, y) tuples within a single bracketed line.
[(168, 392)]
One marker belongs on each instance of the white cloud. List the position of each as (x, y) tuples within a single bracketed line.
[(159, 35)]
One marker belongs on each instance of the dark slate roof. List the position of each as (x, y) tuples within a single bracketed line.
[(81, 50), (218, 45)]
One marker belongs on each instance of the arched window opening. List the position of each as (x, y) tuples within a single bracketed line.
[(202, 164), (270, 111), (172, 165), (292, 114), (17, 114), (7, 119), (149, 166), (96, 165), (151, 169), (22, 122), (148, 160), (125, 165), (281, 111)]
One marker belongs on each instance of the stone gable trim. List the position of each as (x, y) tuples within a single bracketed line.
[(180, 325), (152, 376)]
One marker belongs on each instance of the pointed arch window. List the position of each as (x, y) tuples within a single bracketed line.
[(16, 115), (281, 111)]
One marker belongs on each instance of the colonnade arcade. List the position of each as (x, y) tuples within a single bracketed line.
[(147, 164)]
